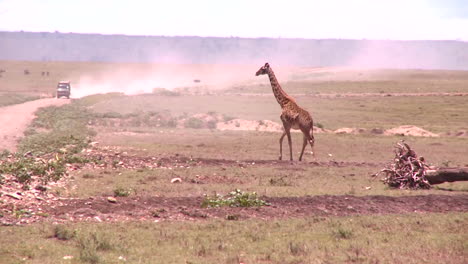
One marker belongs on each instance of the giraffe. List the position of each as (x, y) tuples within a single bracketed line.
[(292, 116)]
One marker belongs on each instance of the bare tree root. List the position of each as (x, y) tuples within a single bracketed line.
[(407, 170)]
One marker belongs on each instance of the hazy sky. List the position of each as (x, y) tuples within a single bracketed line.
[(356, 19)]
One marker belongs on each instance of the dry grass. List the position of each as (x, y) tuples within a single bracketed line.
[(427, 238), (366, 112)]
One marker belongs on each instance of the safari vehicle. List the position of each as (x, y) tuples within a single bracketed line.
[(63, 89)]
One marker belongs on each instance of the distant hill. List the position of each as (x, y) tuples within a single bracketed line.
[(300, 52)]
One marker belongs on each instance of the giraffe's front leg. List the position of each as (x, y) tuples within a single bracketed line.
[(281, 146), (290, 144)]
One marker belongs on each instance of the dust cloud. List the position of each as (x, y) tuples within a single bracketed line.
[(134, 79), (408, 55)]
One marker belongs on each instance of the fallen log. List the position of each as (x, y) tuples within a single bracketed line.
[(442, 175), (408, 171)]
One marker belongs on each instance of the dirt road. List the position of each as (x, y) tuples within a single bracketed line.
[(14, 119)]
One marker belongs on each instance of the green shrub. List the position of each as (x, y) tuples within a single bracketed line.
[(121, 192), (236, 198), (63, 233), (67, 126), (90, 243), (319, 125), (170, 122), (23, 168), (111, 115), (211, 124), (15, 98), (165, 92), (193, 122), (227, 118), (45, 154), (96, 98), (342, 233)]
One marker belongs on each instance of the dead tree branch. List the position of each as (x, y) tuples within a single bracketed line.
[(406, 171)]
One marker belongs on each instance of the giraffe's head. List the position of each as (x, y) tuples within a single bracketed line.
[(263, 70)]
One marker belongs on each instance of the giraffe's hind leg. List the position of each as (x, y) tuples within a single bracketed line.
[(304, 144), (308, 138), (311, 142)]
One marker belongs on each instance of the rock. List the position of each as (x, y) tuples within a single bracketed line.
[(377, 131), (41, 188), (176, 180), (13, 195), (111, 199)]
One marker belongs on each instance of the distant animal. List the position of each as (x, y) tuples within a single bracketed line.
[(292, 116)]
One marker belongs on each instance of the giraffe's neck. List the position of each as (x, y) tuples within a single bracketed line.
[(279, 93)]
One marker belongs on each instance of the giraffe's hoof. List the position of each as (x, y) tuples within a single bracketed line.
[(280, 158)]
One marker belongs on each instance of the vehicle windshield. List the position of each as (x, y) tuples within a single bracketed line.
[(63, 86)]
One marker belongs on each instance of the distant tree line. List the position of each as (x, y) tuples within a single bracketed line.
[(44, 46)]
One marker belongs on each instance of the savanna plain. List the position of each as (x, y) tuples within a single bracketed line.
[(185, 169)]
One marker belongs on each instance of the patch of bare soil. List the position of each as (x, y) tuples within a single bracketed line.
[(14, 120), (100, 209), (104, 157), (20, 206)]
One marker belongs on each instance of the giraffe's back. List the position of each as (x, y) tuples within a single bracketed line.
[(296, 116)]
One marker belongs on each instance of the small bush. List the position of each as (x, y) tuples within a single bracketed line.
[(236, 198), (227, 118), (342, 233), (280, 181), (171, 122), (121, 192), (211, 124), (89, 245), (111, 115), (297, 249), (5, 153), (76, 159), (29, 132), (193, 122), (61, 232), (25, 167), (88, 176), (319, 125), (165, 92), (232, 217)]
